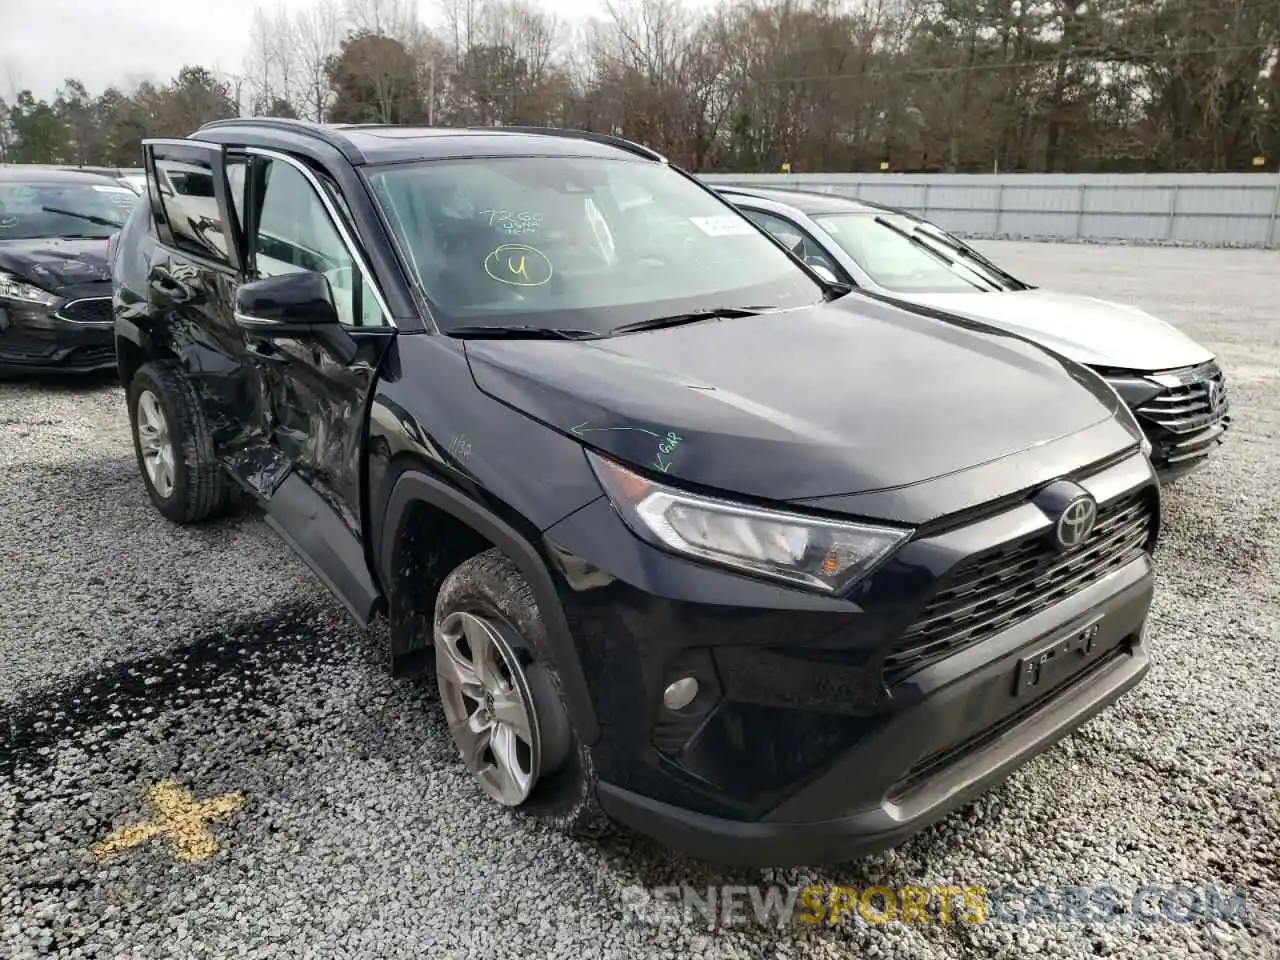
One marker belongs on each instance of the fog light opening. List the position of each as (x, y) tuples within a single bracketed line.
[(680, 693)]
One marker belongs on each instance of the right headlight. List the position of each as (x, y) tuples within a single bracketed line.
[(813, 552)]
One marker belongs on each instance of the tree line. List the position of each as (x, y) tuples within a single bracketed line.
[(751, 85)]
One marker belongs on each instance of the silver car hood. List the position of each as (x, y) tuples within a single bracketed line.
[(1090, 331)]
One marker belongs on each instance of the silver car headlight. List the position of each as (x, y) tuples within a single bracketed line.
[(14, 288), (825, 555)]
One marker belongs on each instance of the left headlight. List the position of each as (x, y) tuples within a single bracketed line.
[(826, 555), (13, 288)]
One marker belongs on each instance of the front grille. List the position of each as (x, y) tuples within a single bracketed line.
[(1172, 450), (1191, 400), (994, 590), (87, 310)]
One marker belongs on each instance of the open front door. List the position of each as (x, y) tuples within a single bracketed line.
[(196, 191), (316, 337)]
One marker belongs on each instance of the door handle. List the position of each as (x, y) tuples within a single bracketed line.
[(268, 352)]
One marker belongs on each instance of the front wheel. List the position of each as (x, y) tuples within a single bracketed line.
[(173, 445), (501, 696)]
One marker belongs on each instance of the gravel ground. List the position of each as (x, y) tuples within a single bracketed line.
[(134, 652)]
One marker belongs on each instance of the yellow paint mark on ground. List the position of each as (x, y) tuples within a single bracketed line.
[(178, 818)]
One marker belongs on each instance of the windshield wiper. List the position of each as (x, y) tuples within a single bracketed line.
[(91, 218), (912, 238), (693, 316), (968, 253), (520, 332)]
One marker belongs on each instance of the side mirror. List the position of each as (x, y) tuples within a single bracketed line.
[(294, 306), (288, 304)]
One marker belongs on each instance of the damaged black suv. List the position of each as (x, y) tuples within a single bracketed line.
[(695, 541)]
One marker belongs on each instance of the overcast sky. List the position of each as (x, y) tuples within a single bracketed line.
[(122, 42)]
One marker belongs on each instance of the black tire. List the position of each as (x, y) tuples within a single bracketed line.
[(492, 586), (202, 490)]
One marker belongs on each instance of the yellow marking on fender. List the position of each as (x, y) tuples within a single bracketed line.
[(179, 818)]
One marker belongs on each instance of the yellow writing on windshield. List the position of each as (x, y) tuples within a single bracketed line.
[(518, 264)]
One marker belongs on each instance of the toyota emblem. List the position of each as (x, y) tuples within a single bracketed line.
[(1076, 522)]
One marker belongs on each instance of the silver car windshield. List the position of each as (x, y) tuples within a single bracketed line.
[(904, 256)]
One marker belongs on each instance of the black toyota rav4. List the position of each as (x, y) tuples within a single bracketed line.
[(768, 570)]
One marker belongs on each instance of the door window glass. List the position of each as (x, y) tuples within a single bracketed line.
[(237, 175), (295, 233), (191, 206)]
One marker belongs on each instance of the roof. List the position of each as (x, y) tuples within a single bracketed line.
[(37, 174), (806, 201), (388, 143)]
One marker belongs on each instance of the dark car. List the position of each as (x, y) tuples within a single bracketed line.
[(1173, 384), (767, 570), (55, 288)]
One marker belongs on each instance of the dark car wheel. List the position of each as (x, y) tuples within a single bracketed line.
[(172, 441), (501, 696)]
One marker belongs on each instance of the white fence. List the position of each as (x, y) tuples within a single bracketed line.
[(1217, 210), (1194, 209)]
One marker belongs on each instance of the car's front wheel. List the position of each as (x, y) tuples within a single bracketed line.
[(501, 696), (173, 445)]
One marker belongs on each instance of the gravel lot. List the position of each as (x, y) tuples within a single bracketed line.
[(134, 652)]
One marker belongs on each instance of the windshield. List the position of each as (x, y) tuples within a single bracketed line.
[(905, 256), (587, 244), (31, 210)]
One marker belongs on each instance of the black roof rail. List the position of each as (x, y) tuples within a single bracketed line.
[(332, 133), (604, 138), (328, 133)]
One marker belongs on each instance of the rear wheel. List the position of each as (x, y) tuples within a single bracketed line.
[(173, 445), (501, 696)]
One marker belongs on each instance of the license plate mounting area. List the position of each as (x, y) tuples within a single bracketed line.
[(1058, 658)]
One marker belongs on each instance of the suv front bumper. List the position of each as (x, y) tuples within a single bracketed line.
[(828, 727), (965, 732)]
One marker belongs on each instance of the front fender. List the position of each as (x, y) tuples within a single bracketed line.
[(417, 486)]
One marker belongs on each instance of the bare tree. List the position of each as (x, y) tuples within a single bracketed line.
[(272, 68), (397, 19), (969, 85), (317, 35)]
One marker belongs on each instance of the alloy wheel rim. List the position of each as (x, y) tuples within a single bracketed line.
[(154, 442), (488, 706)]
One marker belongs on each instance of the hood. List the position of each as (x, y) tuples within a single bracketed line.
[(55, 264), (1095, 332), (844, 397)]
